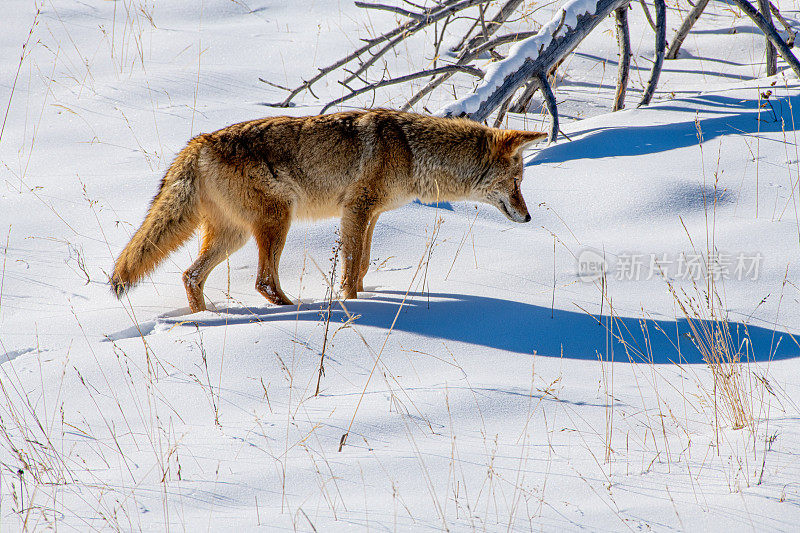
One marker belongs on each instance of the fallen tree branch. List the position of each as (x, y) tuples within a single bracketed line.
[(533, 56)]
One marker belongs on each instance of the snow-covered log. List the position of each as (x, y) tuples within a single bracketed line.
[(533, 57)]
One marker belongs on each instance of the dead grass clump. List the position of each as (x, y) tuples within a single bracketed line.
[(711, 335)]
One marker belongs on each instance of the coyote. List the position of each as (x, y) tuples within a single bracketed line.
[(255, 177)]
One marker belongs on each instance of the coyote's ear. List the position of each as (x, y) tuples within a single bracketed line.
[(513, 141)]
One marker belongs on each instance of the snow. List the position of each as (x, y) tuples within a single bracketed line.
[(477, 389)]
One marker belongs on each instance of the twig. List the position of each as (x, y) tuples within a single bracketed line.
[(553, 301), (306, 85), (5, 256), (437, 45), (442, 13), (647, 15), (402, 79), (327, 319), (490, 27), (393, 9), (465, 57), (271, 84)]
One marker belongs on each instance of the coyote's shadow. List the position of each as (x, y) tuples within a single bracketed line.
[(523, 328)]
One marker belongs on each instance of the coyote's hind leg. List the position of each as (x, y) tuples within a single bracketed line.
[(218, 243), (270, 234)]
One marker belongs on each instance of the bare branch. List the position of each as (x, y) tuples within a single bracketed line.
[(623, 68), (439, 41), (271, 84), (429, 19), (503, 39), (306, 85), (550, 103), (530, 89), (502, 112), (783, 22), (685, 28), (661, 43), (465, 57), (492, 26), (393, 9), (771, 57), (402, 79), (771, 33), (647, 15), (525, 98)]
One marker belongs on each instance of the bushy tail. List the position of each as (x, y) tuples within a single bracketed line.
[(171, 220)]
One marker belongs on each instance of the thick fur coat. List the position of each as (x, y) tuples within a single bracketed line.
[(255, 177)]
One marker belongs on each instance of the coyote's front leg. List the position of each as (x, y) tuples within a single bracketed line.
[(270, 235), (355, 223), (365, 252)]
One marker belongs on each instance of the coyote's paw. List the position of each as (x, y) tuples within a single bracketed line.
[(273, 294)]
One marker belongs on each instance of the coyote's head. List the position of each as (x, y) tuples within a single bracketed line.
[(500, 184)]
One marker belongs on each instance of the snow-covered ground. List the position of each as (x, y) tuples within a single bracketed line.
[(483, 381)]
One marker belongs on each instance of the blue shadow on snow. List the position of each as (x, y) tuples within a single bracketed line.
[(742, 117), (524, 328)]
